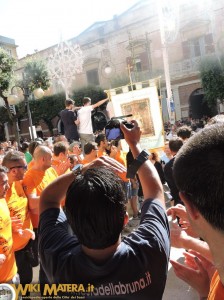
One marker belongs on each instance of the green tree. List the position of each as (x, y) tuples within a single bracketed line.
[(35, 75), (95, 93), (212, 79), (45, 109), (7, 64), (49, 107), (119, 80)]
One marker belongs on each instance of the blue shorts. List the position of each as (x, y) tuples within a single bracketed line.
[(134, 192)]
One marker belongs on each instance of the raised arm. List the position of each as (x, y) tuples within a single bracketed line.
[(56, 190), (150, 181), (100, 102)]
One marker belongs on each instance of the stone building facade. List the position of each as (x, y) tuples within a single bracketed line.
[(9, 46), (130, 47)]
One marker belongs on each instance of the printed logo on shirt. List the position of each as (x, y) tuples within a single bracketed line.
[(112, 289), (54, 291)]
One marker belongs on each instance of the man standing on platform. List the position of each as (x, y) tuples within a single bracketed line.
[(70, 122), (85, 122)]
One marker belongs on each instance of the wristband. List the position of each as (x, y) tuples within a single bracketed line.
[(135, 165)]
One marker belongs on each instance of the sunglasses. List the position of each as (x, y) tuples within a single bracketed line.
[(19, 167)]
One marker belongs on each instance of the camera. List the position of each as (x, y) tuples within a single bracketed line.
[(112, 129)]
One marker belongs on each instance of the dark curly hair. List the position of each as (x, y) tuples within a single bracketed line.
[(95, 208)]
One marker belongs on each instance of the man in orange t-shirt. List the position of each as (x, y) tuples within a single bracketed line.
[(37, 178), (17, 203), (8, 268), (60, 161), (102, 144), (35, 181), (32, 147), (90, 151), (117, 154)]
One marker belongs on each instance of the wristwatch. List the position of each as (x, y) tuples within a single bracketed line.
[(77, 169), (135, 165)]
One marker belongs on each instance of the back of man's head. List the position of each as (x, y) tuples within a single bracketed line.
[(40, 152), (100, 138), (60, 138), (175, 144), (33, 145), (199, 173), (95, 206), (68, 102), (60, 147), (184, 132), (88, 147), (24, 147), (86, 100)]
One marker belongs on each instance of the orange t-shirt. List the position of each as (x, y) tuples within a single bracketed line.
[(120, 159), (35, 182), (101, 153), (8, 269), (18, 206), (216, 288), (84, 161), (55, 163), (30, 164)]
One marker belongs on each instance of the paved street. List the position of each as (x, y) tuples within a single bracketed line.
[(176, 288)]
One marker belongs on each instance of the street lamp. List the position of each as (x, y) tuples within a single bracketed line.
[(108, 69), (14, 99)]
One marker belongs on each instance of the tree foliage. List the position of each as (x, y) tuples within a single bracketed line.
[(36, 75), (212, 78), (49, 107), (119, 80), (7, 63), (95, 93)]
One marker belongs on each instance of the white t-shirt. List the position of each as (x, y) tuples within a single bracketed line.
[(84, 116)]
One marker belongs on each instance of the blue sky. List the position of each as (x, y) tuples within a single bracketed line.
[(40, 24)]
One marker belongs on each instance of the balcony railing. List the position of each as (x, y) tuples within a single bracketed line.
[(187, 66), (178, 69)]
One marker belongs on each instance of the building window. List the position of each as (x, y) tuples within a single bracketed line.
[(141, 62), (9, 51), (138, 64), (93, 77), (198, 46)]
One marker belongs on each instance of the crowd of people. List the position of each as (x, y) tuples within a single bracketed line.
[(64, 206)]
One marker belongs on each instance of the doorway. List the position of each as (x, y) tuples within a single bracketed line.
[(198, 107)]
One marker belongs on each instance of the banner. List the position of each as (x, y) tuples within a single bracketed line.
[(144, 106)]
